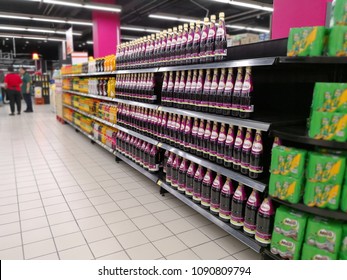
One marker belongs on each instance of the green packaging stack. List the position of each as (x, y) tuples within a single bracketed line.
[(344, 198), (343, 250), (339, 13), (337, 45)]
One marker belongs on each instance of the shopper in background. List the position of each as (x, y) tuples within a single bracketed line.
[(2, 89), (13, 84), (25, 89)]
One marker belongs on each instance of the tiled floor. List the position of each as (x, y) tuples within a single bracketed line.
[(63, 198)]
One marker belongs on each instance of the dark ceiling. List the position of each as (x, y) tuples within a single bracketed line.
[(134, 12)]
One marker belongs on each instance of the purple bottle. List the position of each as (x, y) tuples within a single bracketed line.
[(215, 194), (256, 160), (146, 154), (226, 99), (246, 151), (211, 38), (187, 136), (169, 128), (200, 138), (213, 142), (238, 207), (203, 41), (177, 131), (212, 98), (181, 132), (251, 211), (190, 179), (183, 48), (206, 189), (168, 47), (178, 45), (199, 90), (173, 47), (206, 141), (154, 159), (161, 58), (191, 97), (166, 157), (226, 195), (170, 88), (277, 142), (228, 148), (221, 144), (194, 136), (169, 168), (265, 222), (196, 43), (175, 93), (238, 149), (246, 107), (220, 52), (175, 168), (206, 91), (187, 90), (235, 107), (182, 86), (189, 48), (163, 127), (182, 176), (197, 184)]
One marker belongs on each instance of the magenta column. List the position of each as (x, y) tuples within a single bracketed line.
[(106, 31), (297, 13)]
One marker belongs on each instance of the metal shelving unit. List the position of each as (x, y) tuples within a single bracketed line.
[(311, 60), (138, 135)]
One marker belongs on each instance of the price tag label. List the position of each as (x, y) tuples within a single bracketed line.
[(159, 108), (159, 183), (160, 145)]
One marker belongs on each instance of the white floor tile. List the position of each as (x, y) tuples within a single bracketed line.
[(213, 231), (85, 212), (210, 251), (64, 228), (184, 255), (29, 197), (144, 252), (157, 232), (96, 234), (107, 207), (32, 213), (38, 249), (128, 203), (69, 241), (132, 239), (30, 205), (9, 218), (155, 207), (8, 229), (35, 223), (77, 253), (36, 235), (105, 247), (49, 257), (167, 216), (146, 221), (59, 218), (193, 238), (169, 245), (178, 226), (247, 254), (230, 244), (12, 254), (8, 200), (116, 256), (122, 227), (91, 222)]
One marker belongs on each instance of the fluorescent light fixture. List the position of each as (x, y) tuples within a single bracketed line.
[(90, 42), (79, 22), (13, 16), (173, 18), (140, 29), (261, 30), (251, 5), (222, 1), (38, 30), (104, 7), (21, 36), (48, 20), (129, 38), (12, 28), (63, 3)]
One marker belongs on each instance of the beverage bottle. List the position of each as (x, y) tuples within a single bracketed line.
[(174, 175), (168, 46), (169, 128), (147, 51), (265, 222), (151, 85), (221, 144), (197, 184), (196, 44), (161, 59), (194, 136), (181, 132), (131, 144), (228, 148), (187, 136), (235, 106), (182, 86), (191, 97), (246, 151), (138, 151), (178, 45), (226, 196), (215, 194), (238, 149), (206, 189), (251, 211), (190, 179), (189, 48), (142, 152), (238, 206), (170, 88), (206, 91), (169, 168), (199, 90), (246, 107), (182, 176), (227, 94), (177, 130), (151, 51), (277, 142), (163, 128), (164, 88), (200, 138), (211, 38), (146, 156), (176, 89), (212, 98), (173, 47), (166, 157), (213, 142), (158, 125), (220, 52), (203, 41), (183, 48), (156, 48), (206, 140), (256, 159), (186, 94)]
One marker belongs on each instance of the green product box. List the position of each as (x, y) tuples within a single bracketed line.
[(286, 188), (306, 41), (290, 223), (286, 247), (338, 41), (322, 195), (344, 199), (325, 168), (328, 126), (324, 234), (330, 97), (314, 253), (288, 161), (343, 250), (339, 13)]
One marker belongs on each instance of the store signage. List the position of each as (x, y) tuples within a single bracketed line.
[(69, 41)]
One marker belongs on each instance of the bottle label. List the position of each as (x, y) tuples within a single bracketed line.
[(190, 38), (214, 85), (221, 138), (238, 85), (187, 128), (220, 32), (198, 85), (249, 228), (204, 35), (238, 142), (224, 214), (237, 221), (201, 131), (195, 130), (247, 145), (211, 33), (229, 139), (214, 135), (257, 148), (182, 85), (207, 179), (184, 40), (256, 169), (197, 37), (246, 86)]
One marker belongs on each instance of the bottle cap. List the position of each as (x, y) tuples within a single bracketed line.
[(206, 20), (221, 15), (198, 22), (170, 30), (191, 25), (180, 27), (185, 25), (175, 29), (213, 17)]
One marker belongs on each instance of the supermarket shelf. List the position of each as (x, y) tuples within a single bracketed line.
[(298, 134), (217, 168), (138, 70), (269, 256), (88, 74), (311, 60), (135, 103), (90, 95), (326, 213), (137, 135), (238, 234), (152, 177)]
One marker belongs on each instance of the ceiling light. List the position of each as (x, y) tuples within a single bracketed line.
[(104, 7), (174, 18), (12, 28), (254, 5), (129, 38), (40, 30), (48, 20), (90, 42), (141, 29), (222, 1), (21, 36), (262, 30), (13, 16), (79, 22), (63, 3)]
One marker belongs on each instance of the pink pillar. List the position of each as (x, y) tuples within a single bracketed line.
[(106, 31), (297, 13)]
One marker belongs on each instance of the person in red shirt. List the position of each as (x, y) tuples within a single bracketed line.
[(13, 83)]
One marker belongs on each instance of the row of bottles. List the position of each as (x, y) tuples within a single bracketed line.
[(145, 154), (102, 86), (188, 44), (209, 139), (138, 87), (102, 64), (107, 112), (214, 91), (216, 193)]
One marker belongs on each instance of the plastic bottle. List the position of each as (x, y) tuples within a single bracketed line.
[(238, 206), (206, 140), (173, 47), (181, 132), (182, 176), (187, 136), (246, 151), (146, 155), (181, 88), (168, 47), (178, 45), (235, 107), (183, 48), (265, 221), (277, 142), (166, 157), (206, 189), (200, 138), (251, 211), (221, 144), (215, 194), (161, 56), (191, 97), (238, 149), (206, 91), (194, 136), (175, 93), (196, 44), (229, 146), (169, 164), (199, 90), (213, 142), (189, 48), (187, 90), (246, 107), (220, 52), (177, 130), (190, 179), (163, 127), (211, 38), (197, 184), (170, 88), (174, 175), (256, 159), (203, 41), (226, 196), (227, 94), (154, 159), (212, 99)]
